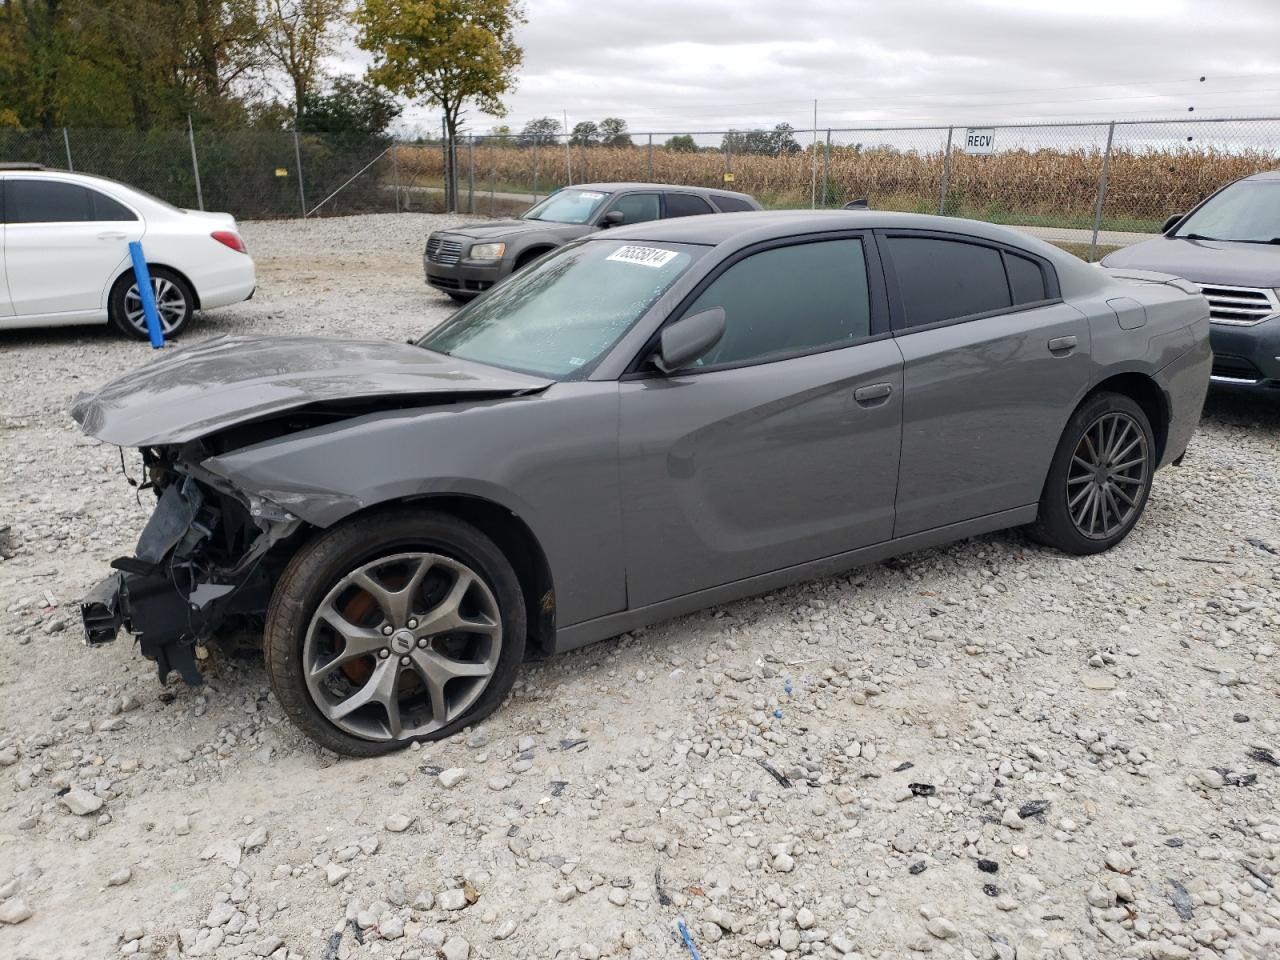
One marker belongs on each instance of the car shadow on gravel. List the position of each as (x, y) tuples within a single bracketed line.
[(1239, 408)]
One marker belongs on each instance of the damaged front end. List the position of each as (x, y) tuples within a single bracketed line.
[(204, 563)]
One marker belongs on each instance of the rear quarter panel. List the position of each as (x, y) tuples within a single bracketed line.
[(1171, 346)]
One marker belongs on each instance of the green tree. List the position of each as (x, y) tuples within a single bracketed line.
[(781, 139), (682, 143), (446, 53), (613, 132), (297, 36), (349, 107), (542, 130), (584, 134)]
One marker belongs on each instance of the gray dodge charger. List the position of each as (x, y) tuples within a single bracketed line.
[(649, 420)]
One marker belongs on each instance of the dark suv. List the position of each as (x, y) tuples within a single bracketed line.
[(1229, 246), (467, 260)]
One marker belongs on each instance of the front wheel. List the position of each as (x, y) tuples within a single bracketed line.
[(1100, 477), (394, 627), (175, 303)]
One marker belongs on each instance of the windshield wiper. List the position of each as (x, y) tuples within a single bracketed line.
[(1194, 236)]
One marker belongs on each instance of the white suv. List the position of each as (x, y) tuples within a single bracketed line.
[(66, 256)]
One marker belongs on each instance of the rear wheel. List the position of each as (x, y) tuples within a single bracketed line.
[(1100, 478), (394, 627), (175, 303)]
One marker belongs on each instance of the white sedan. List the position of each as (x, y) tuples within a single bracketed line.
[(66, 255)]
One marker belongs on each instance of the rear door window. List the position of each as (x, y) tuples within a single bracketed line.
[(731, 204), (947, 279), (1026, 279), (637, 207), (46, 201), (107, 208), (686, 205)]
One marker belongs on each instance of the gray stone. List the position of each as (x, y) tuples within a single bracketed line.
[(81, 802)]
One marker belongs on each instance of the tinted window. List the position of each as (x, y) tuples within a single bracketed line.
[(945, 279), (730, 204), (46, 201), (105, 208), (1026, 278), (686, 205), (789, 300), (637, 207)]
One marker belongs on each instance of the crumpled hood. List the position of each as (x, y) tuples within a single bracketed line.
[(235, 379), (1204, 261)]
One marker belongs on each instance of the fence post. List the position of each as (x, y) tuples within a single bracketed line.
[(195, 163), (444, 160), (302, 192), (826, 164), (728, 152), (1102, 191), (471, 174), (946, 175), (813, 160), (66, 142), (651, 158), (568, 158), (493, 173), (535, 168), (395, 171)]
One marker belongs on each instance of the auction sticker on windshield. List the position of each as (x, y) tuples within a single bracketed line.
[(590, 195), (643, 256)]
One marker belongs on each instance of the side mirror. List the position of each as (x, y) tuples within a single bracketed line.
[(859, 204), (689, 338), (613, 218), (1172, 222)]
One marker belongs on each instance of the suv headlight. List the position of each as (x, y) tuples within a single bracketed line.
[(487, 251)]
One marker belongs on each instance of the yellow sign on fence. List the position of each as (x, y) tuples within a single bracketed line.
[(728, 178), (282, 172)]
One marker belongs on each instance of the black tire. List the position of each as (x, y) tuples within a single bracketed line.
[(326, 560), (1058, 523), (176, 310)]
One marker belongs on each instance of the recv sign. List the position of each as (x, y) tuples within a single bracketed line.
[(980, 140)]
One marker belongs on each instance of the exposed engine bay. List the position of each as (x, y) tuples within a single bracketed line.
[(203, 562)]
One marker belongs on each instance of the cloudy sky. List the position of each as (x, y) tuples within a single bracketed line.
[(679, 65)]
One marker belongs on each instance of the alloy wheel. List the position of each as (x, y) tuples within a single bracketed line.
[(171, 305), (1108, 476), (402, 646)]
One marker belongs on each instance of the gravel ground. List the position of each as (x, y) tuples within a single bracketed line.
[(985, 750)]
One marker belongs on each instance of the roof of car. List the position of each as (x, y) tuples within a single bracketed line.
[(761, 225), (1265, 175), (615, 187)]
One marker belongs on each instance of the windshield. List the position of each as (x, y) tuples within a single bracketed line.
[(1248, 212), (568, 206), (559, 316)]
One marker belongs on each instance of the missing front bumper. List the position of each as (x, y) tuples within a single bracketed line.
[(201, 562)]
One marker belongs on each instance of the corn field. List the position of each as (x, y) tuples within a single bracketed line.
[(1043, 186)]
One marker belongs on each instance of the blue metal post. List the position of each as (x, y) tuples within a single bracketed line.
[(143, 278)]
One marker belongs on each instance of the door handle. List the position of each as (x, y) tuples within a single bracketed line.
[(871, 395), (111, 236), (1062, 345)]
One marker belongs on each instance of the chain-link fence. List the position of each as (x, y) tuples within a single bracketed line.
[(1077, 180)]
